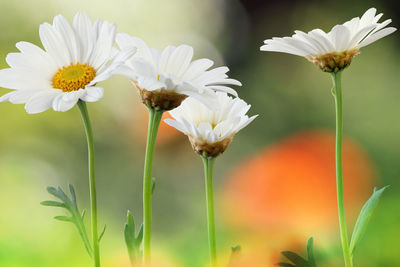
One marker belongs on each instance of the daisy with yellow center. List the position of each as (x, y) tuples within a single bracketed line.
[(210, 131), (332, 52), (165, 78), (75, 58)]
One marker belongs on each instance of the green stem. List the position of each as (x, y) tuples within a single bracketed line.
[(93, 199), (208, 172), (154, 123), (337, 94)]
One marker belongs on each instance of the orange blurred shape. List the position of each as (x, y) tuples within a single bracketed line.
[(293, 184), (166, 133)]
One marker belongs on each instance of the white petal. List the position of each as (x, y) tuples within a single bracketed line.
[(67, 100), (226, 89), (179, 60), (165, 55), (18, 96), (320, 36), (83, 29), (22, 79), (282, 49), (54, 45), (176, 125), (68, 37), (103, 46), (368, 17), (358, 36), (196, 68), (126, 41), (108, 70), (376, 36), (41, 101), (340, 37), (93, 94)]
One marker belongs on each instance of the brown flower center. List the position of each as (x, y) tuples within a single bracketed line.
[(333, 61), (160, 99)]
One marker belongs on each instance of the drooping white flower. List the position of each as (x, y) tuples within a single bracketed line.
[(333, 51), (210, 131), (73, 61), (164, 78)]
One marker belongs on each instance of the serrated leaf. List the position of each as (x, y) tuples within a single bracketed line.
[(72, 191), (52, 203), (71, 206), (364, 218), (63, 218)]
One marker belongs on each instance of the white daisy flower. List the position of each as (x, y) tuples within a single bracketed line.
[(73, 61), (210, 131), (333, 51), (164, 78)]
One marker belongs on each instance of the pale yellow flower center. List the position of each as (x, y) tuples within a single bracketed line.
[(73, 77)]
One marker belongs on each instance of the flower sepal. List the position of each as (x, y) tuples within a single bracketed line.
[(208, 150), (333, 61), (160, 99)]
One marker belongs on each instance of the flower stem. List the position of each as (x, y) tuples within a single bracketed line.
[(337, 94), (154, 123), (208, 171), (93, 199)]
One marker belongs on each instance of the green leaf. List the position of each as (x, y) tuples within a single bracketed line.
[(132, 241), (236, 249), (284, 264), (364, 218), (129, 230), (63, 218), (310, 251), (234, 254), (153, 185), (139, 236), (102, 232), (52, 203), (71, 206), (293, 257), (297, 260)]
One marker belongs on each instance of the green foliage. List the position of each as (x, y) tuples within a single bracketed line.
[(132, 240), (76, 217), (297, 260), (364, 218), (234, 254), (153, 185)]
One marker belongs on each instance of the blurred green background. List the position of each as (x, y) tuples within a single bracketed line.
[(274, 184)]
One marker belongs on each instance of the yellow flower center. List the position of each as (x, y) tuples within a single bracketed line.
[(74, 77)]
